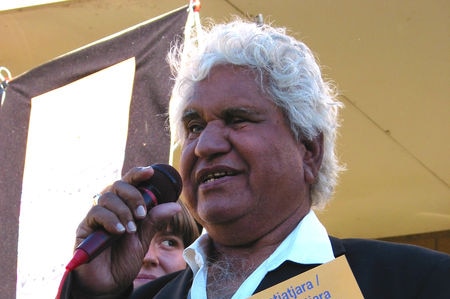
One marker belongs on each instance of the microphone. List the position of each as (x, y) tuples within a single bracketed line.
[(164, 186)]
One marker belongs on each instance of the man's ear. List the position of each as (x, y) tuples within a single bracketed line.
[(312, 160)]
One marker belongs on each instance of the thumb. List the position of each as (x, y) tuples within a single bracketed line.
[(157, 220)]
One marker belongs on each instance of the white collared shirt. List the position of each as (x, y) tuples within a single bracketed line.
[(308, 243)]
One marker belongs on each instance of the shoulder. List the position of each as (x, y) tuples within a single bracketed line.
[(176, 284), (389, 254), (384, 268), (382, 250)]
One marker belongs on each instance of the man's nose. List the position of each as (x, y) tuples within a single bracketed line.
[(213, 140)]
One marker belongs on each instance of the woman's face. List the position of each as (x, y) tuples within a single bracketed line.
[(164, 256)]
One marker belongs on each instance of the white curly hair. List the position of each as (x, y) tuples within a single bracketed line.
[(288, 72)]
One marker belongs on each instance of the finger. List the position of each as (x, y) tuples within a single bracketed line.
[(119, 205), (126, 189), (137, 175), (131, 197), (158, 218), (98, 217)]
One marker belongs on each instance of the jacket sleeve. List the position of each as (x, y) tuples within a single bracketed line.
[(174, 286), (70, 291)]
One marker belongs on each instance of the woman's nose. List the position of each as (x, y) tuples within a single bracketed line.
[(151, 257)]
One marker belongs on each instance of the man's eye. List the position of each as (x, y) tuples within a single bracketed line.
[(237, 120), (194, 127)]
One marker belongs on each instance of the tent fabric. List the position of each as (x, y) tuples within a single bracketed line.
[(149, 43)]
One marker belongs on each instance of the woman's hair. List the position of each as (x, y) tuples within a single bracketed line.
[(184, 225), (286, 70)]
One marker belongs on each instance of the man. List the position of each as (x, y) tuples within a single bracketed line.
[(257, 125)]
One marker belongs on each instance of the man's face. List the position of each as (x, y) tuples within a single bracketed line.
[(242, 169)]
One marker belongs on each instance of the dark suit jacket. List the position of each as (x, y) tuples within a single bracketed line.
[(383, 270)]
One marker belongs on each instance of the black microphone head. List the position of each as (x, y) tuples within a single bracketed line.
[(165, 183)]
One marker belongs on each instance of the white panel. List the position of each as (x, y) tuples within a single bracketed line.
[(76, 145)]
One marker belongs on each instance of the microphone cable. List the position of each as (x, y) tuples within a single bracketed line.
[(79, 257)]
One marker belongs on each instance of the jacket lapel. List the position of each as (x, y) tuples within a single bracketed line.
[(178, 287), (290, 269)]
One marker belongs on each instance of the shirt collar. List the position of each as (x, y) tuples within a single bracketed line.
[(195, 254), (308, 243)]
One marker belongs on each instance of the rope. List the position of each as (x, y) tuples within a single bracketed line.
[(5, 77), (193, 28)]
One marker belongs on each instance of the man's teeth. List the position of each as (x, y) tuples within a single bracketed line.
[(213, 176)]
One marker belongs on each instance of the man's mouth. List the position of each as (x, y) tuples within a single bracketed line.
[(214, 176)]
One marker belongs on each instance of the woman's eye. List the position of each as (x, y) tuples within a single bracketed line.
[(172, 243), (169, 243)]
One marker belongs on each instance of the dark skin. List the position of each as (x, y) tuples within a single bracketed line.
[(238, 136), (117, 266), (246, 179)]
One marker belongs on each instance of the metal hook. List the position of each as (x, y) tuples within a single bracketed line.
[(4, 78), (259, 20)]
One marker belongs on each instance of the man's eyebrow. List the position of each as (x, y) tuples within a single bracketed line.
[(190, 114), (240, 110)]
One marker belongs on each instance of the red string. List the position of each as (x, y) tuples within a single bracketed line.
[(196, 5), (79, 257)]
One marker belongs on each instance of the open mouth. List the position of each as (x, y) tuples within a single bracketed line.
[(211, 177)]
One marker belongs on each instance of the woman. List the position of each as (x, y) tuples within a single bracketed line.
[(165, 253)]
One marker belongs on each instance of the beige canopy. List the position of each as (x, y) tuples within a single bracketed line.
[(389, 59)]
